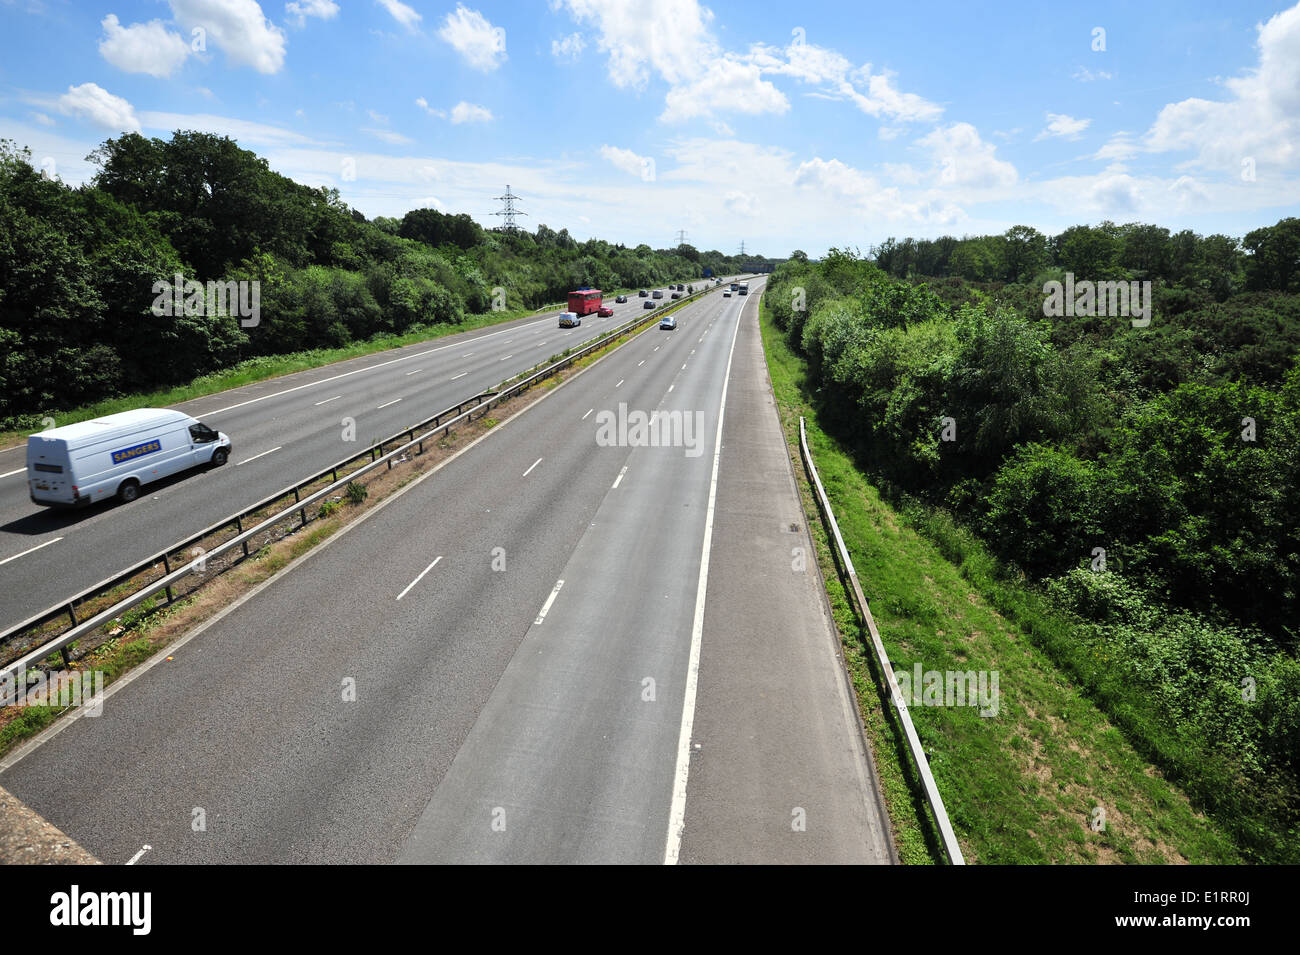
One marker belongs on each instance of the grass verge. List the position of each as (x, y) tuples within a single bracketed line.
[(1026, 785)]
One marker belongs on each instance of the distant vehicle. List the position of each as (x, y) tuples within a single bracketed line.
[(717, 281), (726, 293), (734, 286), (585, 301), (643, 293), (620, 300), (604, 311), (681, 287), (656, 294), (649, 303), (668, 322), (570, 319), (744, 288), (117, 455), (676, 295)]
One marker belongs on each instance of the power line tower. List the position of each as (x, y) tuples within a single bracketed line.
[(681, 236), (508, 210), (742, 246)]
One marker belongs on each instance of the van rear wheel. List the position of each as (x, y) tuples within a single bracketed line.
[(128, 492), (219, 457)]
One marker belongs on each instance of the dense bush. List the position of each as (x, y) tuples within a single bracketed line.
[(1171, 451)]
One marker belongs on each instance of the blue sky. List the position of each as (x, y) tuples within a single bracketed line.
[(784, 125)]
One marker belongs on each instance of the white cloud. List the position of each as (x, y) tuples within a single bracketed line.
[(872, 92), (238, 27), (963, 159), (423, 103), (1262, 119), (1085, 75), (464, 112), (142, 47), (482, 45), (889, 132), (300, 11), (667, 37), (726, 84), (93, 102), (570, 47), (742, 203), (387, 135), (1117, 194), (377, 117), (1062, 126), (626, 160), (403, 14), (41, 118), (244, 131), (1188, 192), (1119, 148), (836, 178)]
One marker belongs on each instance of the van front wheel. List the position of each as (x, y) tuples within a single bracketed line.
[(219, 457), (128, 492)]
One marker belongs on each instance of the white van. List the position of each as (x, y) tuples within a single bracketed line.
[(117, 454)]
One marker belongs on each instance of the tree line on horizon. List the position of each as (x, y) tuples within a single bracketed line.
[(78, 267)]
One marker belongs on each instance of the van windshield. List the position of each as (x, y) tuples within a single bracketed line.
[(202, 433)]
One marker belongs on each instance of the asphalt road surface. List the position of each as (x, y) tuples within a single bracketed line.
[(283, 430), (499, 662)]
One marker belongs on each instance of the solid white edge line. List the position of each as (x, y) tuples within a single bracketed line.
[(262, 455), (420, 578), (546, 607), (531, 466), (677, 812), (30, 549)]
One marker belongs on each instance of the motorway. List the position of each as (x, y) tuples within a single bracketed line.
[(553, 648), (282, 429)]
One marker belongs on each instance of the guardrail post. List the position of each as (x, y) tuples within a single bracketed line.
[(73, 614), (302, 511), (239, 526), (167, 569)]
